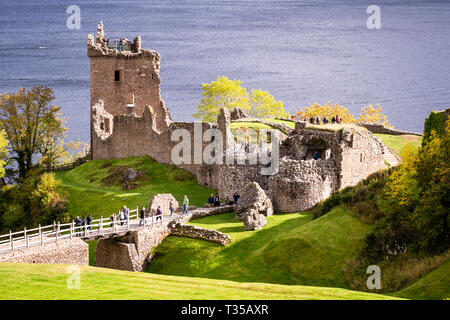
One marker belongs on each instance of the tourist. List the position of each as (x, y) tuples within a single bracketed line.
[(83, 223), (121, 216), (89, 221), (217, 200), (142, 215), (318, 120), (111, 218), (236, 197), (338, 119), (126, 211), (171, 208), (312, 120), (211, 200), (159, 214), (185, 204), (316, 155), (325, 120), (77, 225), (246, 147), (333, 120)]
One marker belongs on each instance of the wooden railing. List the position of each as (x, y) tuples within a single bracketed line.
[(66, 166), (56, 232)]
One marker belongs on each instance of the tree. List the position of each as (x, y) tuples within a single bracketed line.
[(3, 151), (31, 123), (374, 115), (328, 110), (264, 105), (221, 93), (226, 93)]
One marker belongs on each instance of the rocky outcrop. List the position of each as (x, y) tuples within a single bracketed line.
[(253, 196), (253, 220), (191, 231), (253, 207)]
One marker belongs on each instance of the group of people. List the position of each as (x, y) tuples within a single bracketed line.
[(317, 120), (214, 201), (81, 224)]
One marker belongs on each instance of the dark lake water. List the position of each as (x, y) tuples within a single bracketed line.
[(301, 51)]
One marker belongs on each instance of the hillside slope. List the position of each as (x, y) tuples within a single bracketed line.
[(88, 193), (49, 282), (433, 285), (290, 249)]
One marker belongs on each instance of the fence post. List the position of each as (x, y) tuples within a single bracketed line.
[(54, 226), (26, 237), (100, 226), (71, 230), (57, 233), (114, 224), (128, 220), (85, 229), (11, 239), (40, 231)]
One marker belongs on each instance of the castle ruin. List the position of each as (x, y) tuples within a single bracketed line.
[(129, 118)]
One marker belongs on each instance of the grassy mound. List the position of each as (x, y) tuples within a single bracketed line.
[(434, 285), (290, 249), (49, 282), (396, 143), (87, 192)]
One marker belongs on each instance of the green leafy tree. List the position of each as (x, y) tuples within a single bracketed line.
[(264, 105), (31, 123), (221, 93), (226, 93)]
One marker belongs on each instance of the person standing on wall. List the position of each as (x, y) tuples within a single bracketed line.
[(185, 204)]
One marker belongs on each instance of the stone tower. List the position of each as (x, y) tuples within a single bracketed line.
[(125, 77)]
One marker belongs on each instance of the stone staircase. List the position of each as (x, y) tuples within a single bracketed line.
[(390, 157)]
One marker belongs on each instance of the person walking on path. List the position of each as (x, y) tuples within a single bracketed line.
[(159, 214), (185, 204), (77, 225), (211, 200), (126, 211), (171, 208), (121, 216), (89, 221), (142, 215)]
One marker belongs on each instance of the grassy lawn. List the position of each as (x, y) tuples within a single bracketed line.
[(87, 192), (251, 125), (433, 285), (49, 282), (290, 249), (396, 143)]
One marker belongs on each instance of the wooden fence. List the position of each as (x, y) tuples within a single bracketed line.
[(99, 228)]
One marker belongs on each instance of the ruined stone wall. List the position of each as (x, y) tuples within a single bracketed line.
[(379, 128), (361, 155), (66, 251), (132, 135), (138, 84), (190, 231), (131, 251)]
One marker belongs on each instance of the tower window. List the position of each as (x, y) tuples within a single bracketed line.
[(117, 75)]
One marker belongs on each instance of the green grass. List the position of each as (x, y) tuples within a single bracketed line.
[(88, 194), (49, 282), (433, 285), (251, 125), (290, 249), (396, 143)]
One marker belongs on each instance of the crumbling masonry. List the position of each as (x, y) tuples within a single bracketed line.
[(129, 118)]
